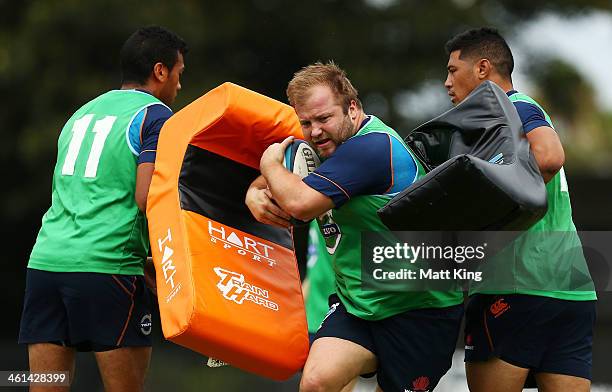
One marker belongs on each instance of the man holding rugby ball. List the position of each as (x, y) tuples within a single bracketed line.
[(407, 338)]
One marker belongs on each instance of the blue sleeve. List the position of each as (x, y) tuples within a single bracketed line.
[(531, 116), (362, 165), (144, 131)]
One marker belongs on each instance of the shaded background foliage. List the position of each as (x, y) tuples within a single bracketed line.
[(56, 55)]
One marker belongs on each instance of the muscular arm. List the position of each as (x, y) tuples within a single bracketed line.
[(144, 174), (548, 151), (259, 201), (288, 190), (293, 195)]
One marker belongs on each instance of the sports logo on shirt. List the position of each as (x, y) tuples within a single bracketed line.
[(234, 288), (330, 231)]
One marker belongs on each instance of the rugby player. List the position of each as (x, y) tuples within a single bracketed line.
[(543, 329), (406, 337), (84, 288)]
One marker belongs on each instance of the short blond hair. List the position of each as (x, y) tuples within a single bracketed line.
[(316, 74)]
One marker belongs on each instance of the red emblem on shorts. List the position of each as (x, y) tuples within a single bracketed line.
[(499, 307), (420, 384)]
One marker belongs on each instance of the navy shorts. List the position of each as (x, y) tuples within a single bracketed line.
[(414, 349), (543, 334), (87, 311)]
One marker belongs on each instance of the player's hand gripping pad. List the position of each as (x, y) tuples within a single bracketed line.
[(228, 286), (482, 173)]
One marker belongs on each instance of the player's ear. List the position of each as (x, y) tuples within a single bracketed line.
[(160, 72), (484, 68), (352, 110)]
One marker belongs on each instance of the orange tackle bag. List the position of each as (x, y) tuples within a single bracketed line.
[(228, 286)]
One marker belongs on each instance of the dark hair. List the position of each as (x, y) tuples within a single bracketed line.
[(330, 75), (484, 42), (146, 47)]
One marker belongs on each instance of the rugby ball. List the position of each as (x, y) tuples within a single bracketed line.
[(300, 159)]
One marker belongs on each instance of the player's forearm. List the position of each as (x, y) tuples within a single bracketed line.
[(286, 187)]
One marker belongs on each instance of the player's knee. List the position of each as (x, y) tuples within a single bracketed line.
[(315, 383)]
